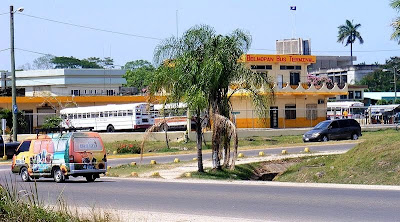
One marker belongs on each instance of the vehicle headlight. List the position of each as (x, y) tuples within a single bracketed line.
[(315, 134)]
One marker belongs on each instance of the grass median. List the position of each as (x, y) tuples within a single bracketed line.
[(375, 161)]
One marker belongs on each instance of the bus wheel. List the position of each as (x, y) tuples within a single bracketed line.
[(110, 128), (25, 175), (90, 178), (58, 175)]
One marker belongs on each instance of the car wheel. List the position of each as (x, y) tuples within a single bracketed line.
[(354, 136), (58, 175), (25, 175), (110, 128), (325, 138), (90, 178)]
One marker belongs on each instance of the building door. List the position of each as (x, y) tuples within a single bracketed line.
[(280, 81), (28, 115), (273, 115), (294, 78)]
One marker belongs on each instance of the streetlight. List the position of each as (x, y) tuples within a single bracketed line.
[(394, 79), (14, 89)]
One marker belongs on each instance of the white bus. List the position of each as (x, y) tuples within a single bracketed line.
[(354, 109), (174, 113), (109, 117)]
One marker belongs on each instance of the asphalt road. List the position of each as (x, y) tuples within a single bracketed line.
[(264, 202), (186, 157)]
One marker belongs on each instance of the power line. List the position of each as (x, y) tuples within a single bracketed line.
[(91, 28), (4, 13), (378, 50), (40, 53), (4, 49)]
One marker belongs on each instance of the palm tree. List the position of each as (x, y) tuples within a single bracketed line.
[(396, 23), (349, 33), (199, 69)]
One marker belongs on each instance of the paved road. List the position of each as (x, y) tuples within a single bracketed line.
[(265, 202), (258, 200), (186, 157)]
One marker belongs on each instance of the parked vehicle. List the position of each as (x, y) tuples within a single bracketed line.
[(334, 130), (60, 156), (109, 117), (10, 148)]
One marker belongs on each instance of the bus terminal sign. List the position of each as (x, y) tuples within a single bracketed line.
[(297, 59)]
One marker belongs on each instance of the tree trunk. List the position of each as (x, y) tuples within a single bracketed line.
[(166, 134), (199, 143), (351, 53), (215, 149)]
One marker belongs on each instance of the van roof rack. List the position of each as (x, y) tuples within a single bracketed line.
[(62, 129)]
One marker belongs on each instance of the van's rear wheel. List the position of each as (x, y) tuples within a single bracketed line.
[(58, 175), (90, 178), (110, 128), (25, 175), (354, 136)]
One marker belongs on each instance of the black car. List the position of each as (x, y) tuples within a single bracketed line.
[(334, 130)]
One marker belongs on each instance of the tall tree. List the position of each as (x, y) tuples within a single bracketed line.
[(139, 73), (75, 63), (396, 22), (199, 69), (348, 33), (382, 81), (43, 62)]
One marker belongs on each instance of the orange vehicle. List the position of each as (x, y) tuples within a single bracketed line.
[(60, 156)]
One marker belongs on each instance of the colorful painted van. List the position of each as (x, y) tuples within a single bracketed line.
[(60, 156)]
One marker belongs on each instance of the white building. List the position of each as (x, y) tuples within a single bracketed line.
[(64, 82)]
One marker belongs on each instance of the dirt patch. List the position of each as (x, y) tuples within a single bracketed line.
[(269, 170)]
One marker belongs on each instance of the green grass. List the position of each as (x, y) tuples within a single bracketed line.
[(125, 170), (374, 161), (241, 172), (160, 146), (24, 204)]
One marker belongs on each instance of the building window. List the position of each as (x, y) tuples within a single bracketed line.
[(298, 67), (290, 111), (261, 67), (290, 67), (357, 94), (294, 78), (351, 94), (75, 92), (343, 97), (311, 111), (344, 79)]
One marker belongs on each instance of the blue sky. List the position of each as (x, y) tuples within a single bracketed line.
[(267, 21)]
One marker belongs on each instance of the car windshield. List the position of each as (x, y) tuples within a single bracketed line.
[(322, 125)]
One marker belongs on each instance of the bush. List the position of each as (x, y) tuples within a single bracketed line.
[(128, 148)]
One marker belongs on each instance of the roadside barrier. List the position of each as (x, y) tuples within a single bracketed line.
[(153, 162), (307, 150), (284, 152), (188, 175), (134, 174), (240, 155), (176, 160), (261, 153), (155, 174), (133, 163)]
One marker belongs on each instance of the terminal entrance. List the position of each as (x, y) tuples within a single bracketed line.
[(273, 116)]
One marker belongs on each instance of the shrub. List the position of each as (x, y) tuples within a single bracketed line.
[(128, 148)]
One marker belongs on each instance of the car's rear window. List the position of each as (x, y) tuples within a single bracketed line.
[(87, 144)]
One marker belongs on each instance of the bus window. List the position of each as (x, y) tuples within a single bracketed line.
[(70, 116), (84, 115), (79, 115), (63, 116), (106, 114), (75, 116), (101, 114), (130, 112), (124, 113), (120, 113), (115, 113)]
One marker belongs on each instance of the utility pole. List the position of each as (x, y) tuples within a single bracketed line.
[(14, 89), (395, 90)]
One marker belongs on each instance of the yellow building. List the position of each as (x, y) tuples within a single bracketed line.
[(297, 103)]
